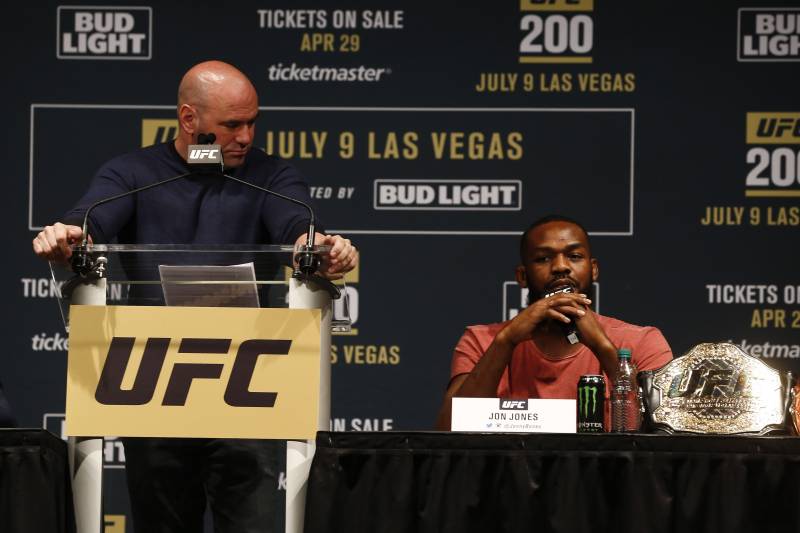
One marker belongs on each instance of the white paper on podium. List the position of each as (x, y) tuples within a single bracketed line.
[(209, 285)]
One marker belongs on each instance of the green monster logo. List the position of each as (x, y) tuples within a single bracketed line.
[(583, 399)]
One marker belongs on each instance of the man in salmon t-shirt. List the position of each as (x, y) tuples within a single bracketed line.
[(530, 356)]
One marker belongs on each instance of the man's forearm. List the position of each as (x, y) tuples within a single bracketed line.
[(482, 382), (606, 353)]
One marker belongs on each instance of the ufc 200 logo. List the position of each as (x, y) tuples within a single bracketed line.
[(110, 392), (773, 154)]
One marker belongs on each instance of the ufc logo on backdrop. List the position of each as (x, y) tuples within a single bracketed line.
[(778, 127), (110, 392)]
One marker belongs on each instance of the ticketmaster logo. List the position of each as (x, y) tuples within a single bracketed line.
[(448, 195), (768, 350), (49, 343), (293, 72)]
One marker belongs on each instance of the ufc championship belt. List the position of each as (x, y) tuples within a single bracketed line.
[(794, 410), (717, 389)]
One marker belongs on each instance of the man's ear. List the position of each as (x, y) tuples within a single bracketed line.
[(187, 119), (595, 270), (519, 273)]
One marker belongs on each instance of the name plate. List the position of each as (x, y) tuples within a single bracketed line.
[(502, 415)]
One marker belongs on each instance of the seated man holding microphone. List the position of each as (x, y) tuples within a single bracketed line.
[(532, 356)]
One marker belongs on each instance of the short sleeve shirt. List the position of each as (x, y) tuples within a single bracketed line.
[(534, 374)]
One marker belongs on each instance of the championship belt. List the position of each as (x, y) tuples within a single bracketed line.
[(717, 389), (794, 410)]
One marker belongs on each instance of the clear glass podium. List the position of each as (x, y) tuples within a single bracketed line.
[(196, 276), (134, 275)]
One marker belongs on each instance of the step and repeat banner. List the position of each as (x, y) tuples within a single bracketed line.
[(432, 134)]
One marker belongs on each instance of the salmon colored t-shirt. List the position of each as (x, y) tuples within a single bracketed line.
[(533, 374)]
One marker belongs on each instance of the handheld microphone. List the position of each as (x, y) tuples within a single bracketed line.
[(570, 332)]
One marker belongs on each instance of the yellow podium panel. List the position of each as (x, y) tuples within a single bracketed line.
[(193, 372)]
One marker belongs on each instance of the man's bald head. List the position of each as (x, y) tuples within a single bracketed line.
[(215, 98), (211, 80)]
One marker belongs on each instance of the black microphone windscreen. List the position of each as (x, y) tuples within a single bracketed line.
[(206, 138)]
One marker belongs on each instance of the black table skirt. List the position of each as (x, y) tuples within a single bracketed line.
[(460, 482), (35, 494)]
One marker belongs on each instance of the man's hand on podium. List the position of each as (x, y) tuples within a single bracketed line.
[(342, 258), (53, 242)]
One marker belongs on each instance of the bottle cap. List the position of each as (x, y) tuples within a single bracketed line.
[(624, 353)]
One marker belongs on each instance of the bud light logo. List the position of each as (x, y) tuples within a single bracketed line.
[(768, 34), (104, 32), (443, 195), (513, 405)]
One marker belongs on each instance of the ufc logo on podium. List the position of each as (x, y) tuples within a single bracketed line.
[(193, 372), (110, 392)]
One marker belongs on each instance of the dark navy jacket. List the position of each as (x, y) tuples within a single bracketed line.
[(199, 209), (202, 209)]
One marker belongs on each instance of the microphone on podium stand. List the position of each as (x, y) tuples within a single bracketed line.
[(206, 158)]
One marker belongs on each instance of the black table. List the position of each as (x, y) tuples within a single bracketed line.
[(461, 482), (35, 493)]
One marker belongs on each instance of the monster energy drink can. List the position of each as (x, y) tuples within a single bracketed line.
[(591, 404)]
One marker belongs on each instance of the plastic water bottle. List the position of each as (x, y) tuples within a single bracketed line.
[(626, 414)]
